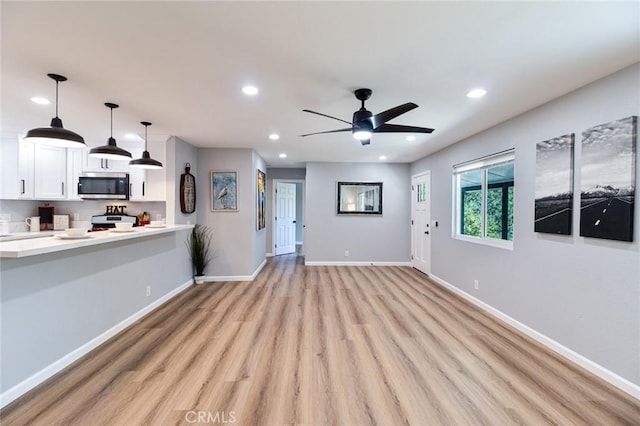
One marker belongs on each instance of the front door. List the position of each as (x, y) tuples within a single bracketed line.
[(420, 221), (285, 218)]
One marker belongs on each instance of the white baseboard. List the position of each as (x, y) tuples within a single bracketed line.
[(600, 371), (270, 255), (373, 263), (31, 382), (219, 278)]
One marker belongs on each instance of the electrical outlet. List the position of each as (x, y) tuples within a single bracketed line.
[(76, 216), (346, 253), (476, 285), (148, 290)]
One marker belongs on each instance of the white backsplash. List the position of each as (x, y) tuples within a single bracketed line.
[(19, 210)]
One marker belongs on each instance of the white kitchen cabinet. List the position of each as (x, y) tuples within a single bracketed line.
[(137, 190), (16, 157), (92, 164), (74, 168), (156, 182), (25, 169), (50, 173)]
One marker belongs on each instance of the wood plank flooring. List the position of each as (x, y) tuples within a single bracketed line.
[(322, 346)]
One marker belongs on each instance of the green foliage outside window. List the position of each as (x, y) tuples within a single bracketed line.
[(498, 206), (472, 213)]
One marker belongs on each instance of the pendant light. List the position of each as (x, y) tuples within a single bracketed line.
[(146, 162), (110, 151), (55, 135)]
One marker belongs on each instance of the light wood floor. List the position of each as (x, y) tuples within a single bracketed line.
[(322, 345)]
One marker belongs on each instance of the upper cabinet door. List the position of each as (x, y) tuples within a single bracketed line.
[(25, 169), (156, 182), (92, 164), (50, 173), (16, 157), (74, 168)]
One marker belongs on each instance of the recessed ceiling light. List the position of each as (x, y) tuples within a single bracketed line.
[(383, 157), (283, 155), (476, 93), (274, 136), (250, 90), (410, 138), (133, 136), (40, 100)]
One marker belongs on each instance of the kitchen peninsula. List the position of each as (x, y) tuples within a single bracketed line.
[(52, 244), (62, 298)]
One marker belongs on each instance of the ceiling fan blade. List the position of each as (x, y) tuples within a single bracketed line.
[(325, 115), (348, 129), (398, 128), (365, 142), (381, 118)]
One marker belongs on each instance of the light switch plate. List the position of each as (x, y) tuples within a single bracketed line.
[(60, 222)]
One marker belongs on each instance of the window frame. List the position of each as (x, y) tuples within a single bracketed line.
[(483, 165)]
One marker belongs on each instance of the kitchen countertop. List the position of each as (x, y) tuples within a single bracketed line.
[(53, 243)]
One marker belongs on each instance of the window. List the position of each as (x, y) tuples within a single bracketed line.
[(483, 210)]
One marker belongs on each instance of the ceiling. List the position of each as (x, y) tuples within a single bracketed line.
[(181, 65)]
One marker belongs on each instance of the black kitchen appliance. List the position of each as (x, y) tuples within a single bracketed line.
[(107, 221), (103, 186)]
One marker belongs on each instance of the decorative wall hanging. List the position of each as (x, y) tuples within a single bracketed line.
[(608, 180), (187, 191), (554, 185), (261, 199), (224, 191)]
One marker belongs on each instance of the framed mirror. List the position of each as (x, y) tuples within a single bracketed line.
[(361, 198)]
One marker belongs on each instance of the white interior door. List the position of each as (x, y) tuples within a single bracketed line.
[(285, 218), (421, 222)]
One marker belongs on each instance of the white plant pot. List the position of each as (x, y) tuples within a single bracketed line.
[(199, 279)]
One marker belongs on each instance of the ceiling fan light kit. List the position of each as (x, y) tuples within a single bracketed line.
[(110, 151), (56, 134), (146, 162), (364, 123)]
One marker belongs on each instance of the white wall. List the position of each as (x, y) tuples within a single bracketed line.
[(21, 209), (240, 249), (584, 293), (372, 238)]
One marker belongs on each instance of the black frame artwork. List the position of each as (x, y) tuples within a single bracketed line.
[(554, 185), (359, 198), (607, 192)]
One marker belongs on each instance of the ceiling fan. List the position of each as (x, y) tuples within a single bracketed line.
[(365, 123)]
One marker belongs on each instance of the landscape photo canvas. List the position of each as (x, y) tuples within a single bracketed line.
[(607, 189), (554, 185)]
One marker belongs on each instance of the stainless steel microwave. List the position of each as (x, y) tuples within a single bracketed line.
[(103, 186)]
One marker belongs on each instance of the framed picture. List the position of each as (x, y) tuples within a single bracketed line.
[(607, 184), (359, 198), (261, 199), (224, 191), (554, 185)]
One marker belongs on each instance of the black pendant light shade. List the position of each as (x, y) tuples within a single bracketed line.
[(110, 151), (55, 135), (146, 162)]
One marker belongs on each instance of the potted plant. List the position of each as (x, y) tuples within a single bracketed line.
[(200, 251)]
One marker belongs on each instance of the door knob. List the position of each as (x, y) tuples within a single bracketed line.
[(426, 232)]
